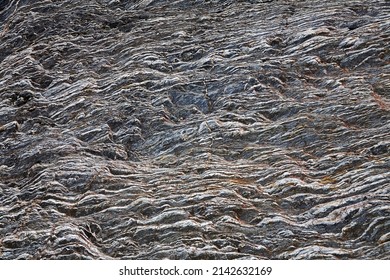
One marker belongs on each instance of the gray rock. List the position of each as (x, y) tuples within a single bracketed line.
[(194, 129)]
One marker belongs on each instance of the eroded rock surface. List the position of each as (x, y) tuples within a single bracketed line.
[(194, 129)]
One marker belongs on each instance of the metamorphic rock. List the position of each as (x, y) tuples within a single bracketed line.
[(220, 129)]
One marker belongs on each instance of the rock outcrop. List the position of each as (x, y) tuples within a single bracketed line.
[(194, 129)]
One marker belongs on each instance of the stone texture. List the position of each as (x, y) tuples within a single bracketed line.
[(194, 129)]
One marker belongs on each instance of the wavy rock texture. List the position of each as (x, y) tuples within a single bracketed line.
[(194, 129)]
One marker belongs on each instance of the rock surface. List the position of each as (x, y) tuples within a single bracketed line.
[(194, 129)]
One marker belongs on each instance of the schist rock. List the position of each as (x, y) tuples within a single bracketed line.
[(194, 129)]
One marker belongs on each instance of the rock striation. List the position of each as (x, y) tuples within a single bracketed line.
[(217, 129)]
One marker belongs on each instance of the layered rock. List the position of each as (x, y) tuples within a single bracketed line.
[(194, 129)]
